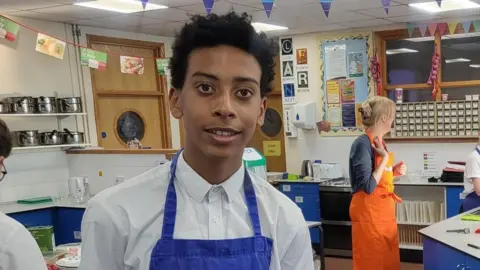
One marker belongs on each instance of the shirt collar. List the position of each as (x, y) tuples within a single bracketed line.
[(197, 187)]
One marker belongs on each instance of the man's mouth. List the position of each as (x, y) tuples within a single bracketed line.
[(224, 132)]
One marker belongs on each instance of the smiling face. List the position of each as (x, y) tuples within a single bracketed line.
[(220, 102)]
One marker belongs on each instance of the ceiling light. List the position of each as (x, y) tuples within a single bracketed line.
[(447, 5), (401, 50), (121, 6), (265, 27), (457, 60), (474, 66)]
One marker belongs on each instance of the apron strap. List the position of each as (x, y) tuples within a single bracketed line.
[(478, 149), (251, 201), (170, 211)]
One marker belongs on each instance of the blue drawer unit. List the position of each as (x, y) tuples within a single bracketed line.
[(34, 218), (68, 222), (307, 197), (453, 201)]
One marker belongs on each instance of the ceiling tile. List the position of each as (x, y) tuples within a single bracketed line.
[(165, 15), (7, 10), (394, 11), (165, 29), (26, 4), (318, 28), (346, 16), (415, 18), (366, 23), (128, 20), (175, 3), (100, 24), (220, 8), (41, 16), (69, 2), (357, 4), (77, 12)]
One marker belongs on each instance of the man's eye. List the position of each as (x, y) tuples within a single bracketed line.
[(244, 93), (205, 88)]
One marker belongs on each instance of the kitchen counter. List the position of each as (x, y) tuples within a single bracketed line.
[(405, 181), (10, 208), (458, 241)]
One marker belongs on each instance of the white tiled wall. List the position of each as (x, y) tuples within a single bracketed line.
[(110, 167), (34, 174)]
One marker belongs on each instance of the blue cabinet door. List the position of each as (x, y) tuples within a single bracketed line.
[(437, 256), (34, 218), (67, 222), (453, 200), (472, 263), (430, 261)]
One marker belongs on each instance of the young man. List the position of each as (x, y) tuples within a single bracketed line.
[(203, 210), (18, 249), (472, 179)]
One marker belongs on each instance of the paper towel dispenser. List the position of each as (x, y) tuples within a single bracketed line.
[(304, 115)]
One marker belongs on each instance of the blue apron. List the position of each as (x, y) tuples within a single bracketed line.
[(472, 201), (253, 253)]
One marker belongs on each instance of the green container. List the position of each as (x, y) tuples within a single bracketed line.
[(255, 162), (45, 238)]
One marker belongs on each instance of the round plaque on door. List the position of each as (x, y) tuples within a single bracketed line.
[(272, 124), (130, 126)]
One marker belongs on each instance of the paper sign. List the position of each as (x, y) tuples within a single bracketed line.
[(335, 62), (301, 56), (347, 88), (335, 115), (93, 59), (8, 29), (355, 64), (272, 148), (132, 65), (162, 65), (333, 92), (50, 46)]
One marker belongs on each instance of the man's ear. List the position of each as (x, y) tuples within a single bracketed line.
[(261, 117), (174, 101)]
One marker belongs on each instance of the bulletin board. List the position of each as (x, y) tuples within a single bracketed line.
[(345, 82)]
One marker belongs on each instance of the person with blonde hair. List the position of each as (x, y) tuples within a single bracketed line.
[(372, 209)]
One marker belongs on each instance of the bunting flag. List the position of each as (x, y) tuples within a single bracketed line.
[(144, 4), (476, 25), (411, 28), (209, 5), (8, 29), (466, 26), (423, 29), (439, 2), (326, 4), (442, 28), (386, 5), (267, 5), (432, 28), (451, 27)]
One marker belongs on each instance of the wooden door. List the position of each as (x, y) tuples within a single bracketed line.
[(271, 135), (129, 106)]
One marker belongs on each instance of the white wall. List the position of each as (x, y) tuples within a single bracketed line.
[(23, 71), (310, 145)]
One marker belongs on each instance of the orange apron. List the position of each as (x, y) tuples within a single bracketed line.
[(374, 225)]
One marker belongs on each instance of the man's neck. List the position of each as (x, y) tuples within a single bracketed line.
[(214, 171)]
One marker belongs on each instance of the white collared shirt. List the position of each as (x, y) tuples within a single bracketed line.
[(472, 170), (18, 249), (122, 224)]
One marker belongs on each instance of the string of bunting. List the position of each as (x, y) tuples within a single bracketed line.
[(443, 28), (55, 47)]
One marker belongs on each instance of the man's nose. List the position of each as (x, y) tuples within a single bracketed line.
[(224, 105)]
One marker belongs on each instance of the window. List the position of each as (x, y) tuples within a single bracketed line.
[(460, 57)]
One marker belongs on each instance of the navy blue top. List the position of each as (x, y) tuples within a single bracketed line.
[(361, 165)]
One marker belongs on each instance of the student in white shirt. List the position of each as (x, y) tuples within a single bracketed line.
[(18, 249), (472, 179), (204, 210)]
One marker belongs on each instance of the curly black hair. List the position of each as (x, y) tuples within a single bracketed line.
[(231, 29), (5, 140)]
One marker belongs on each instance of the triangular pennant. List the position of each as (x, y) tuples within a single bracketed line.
[(411, 28), (466, 26), (476, 25), (386, 5), (144, 4), (423, 29), (208, 5), (442, 28), (432, 28), (439, 2), (268, 6), (451, 27), (326, 4)]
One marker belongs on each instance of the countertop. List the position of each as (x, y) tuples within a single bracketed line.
[(458, 241), (10, 208)]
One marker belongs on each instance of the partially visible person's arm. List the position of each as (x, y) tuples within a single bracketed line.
[(476, 185), (472, 172), (21, 252), (361, 158), (298, 254), (103, 243)]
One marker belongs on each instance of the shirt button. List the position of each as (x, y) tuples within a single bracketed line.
[(216, 219)]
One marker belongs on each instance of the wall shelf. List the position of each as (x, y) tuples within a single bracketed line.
[(59, 115), (66, 146)]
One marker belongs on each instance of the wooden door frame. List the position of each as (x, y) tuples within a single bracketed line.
[(162, 95)]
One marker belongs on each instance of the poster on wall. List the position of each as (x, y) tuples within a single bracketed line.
[(132, 65), (93, 59), (50, 46), (286, 46), (302, 56), (288, 93), (8, 29), (287, 60), (290, 129), (345, 83)]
